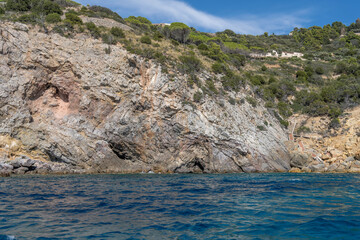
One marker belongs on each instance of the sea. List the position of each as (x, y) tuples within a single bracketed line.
[(157, 206)]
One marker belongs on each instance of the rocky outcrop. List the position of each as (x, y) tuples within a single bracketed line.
[(65, 101), (321, 147), (109, 23)]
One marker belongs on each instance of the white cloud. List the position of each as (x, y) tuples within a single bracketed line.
[(173, 10)]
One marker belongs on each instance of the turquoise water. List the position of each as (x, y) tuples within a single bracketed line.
[(235, 206)]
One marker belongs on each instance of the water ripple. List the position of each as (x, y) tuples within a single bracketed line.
[(234, 206)]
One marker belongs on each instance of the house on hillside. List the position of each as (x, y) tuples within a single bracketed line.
[(290, 55), (275, 54)]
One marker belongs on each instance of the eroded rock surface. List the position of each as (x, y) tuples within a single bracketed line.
[(65, 101), (320, 147)]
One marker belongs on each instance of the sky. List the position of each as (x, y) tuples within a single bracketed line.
[(245, 17)]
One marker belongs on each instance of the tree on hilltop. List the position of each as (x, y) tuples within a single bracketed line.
[(178, 31)]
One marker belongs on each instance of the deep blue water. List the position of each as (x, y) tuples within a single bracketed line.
[(235, 206)]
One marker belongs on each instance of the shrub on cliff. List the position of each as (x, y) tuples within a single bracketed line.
[(73, 18), (2, 11), (319, 70), (29, 18), (197, 96), (117, 32), (108, 39), (317, 108), (335, 123), (211, 86), (137, 20), (18, 5), (39, 6), (66, 3), (53, 18), (145, 39), (203, 47), (48, 7), (257, 80), (175, 43), (252, 101), (140, 22), (219, 68), (237, 60), (158, 36), (93, 29), (284, 109), (232, 82), (190, 63), (103, 12), (301, 76), (216, 53)]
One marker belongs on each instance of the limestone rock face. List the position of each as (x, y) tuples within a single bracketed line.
[(67, 101), (338, 149)]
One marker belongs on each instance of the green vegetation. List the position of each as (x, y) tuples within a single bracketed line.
[(261, 128), (18, 5), (178, 31), (190, 63), (324, 81), (73, 18), (252, 101), (93, 29), (141, 23), (53, 18), (31, 18), (101, 12), (234, 45), (37, 6), (137, 20), (117, 32), (197, 96), (145, 39)]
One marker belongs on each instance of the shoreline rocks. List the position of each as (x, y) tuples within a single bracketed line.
[(24, 165)]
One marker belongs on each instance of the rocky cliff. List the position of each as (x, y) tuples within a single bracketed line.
[(320, 147), (66, 103)]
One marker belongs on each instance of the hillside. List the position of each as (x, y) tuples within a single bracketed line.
[(84, 90)]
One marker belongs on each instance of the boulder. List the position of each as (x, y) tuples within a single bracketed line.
[(333, 167), (325, 156), (5, 166), (355, 164), (295, 170), (42, 167), (336, 153), (5, 173), (27, 163), (20, 170), (341, 168), (299, 160), (318, 168), (306, 169), (22, 161)]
